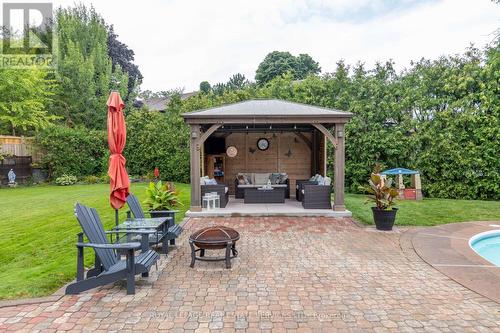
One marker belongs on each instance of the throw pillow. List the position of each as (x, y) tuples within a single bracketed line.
[(241, 180), (275, 178), (246, 179), (328, 181), (211, 181), (320, 180), (315, 178), (283, 178)]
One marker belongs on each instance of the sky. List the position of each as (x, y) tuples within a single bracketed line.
[(179, 43)]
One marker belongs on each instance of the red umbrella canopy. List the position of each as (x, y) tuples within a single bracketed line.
[(117, 136)]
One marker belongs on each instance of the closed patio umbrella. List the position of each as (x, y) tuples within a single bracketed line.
[(117, 136)]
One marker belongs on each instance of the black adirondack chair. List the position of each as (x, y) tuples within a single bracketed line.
[(174, 230), (108, 268)]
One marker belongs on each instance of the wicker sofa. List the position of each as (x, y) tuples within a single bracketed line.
[(258, 180)]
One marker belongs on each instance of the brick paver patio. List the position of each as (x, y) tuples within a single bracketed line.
[(292, 275)]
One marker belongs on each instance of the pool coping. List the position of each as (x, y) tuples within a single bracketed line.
[(446, 248)]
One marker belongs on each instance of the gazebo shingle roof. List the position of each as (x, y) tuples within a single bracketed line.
[(258, 108)]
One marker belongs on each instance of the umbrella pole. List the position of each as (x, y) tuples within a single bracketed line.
[(116, 223)]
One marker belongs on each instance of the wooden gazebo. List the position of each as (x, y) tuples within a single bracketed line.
[(296, 135)]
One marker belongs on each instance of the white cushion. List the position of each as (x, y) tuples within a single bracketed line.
[(248, 186), (226, 189), (203, 180), (302, 191), (328, 181), (261, 178), (211, 181)]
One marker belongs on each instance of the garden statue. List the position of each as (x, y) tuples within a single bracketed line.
[(12, 178)]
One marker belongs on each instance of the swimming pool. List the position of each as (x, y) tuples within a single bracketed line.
[(487, 245)]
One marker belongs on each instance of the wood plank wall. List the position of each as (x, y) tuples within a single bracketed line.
[(275, 159), (20, 146)]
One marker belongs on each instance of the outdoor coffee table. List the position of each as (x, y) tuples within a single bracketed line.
[(263, 195), (214, 238)]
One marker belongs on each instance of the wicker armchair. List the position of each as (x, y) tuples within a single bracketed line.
[(221, 191), (300, 186), (317, 197)]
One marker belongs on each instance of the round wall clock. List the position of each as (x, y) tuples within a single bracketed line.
[(231, 151), (262, 144)]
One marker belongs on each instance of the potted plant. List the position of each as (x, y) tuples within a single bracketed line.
[(162, 199), (383, 194)]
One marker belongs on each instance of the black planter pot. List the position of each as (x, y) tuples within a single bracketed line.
[(384, 219), (164, 213)]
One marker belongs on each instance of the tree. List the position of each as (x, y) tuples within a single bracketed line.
[(85, 71), (205, 87), (26, 95), (278, 63), (237, 81), (123, 57), (275, 64), (219, 89), (305, 66)]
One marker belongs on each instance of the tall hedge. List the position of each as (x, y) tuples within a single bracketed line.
[(73, 151), (158, 140), (440, 117)]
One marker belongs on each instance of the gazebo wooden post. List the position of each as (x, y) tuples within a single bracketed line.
[(339, 164), (194, 151)]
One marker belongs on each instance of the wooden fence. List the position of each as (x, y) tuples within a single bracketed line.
[(20, 146)]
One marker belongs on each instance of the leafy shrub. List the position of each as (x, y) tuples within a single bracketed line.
[(157, 140), (104, 179), (382, 192), (75, 151), (162, 196), (91, 180), (66, 180)]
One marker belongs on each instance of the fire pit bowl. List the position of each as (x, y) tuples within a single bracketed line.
[(214, 238)]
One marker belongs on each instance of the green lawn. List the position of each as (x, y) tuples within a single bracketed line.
[(38, 234), (429, 212), (39, 230)]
